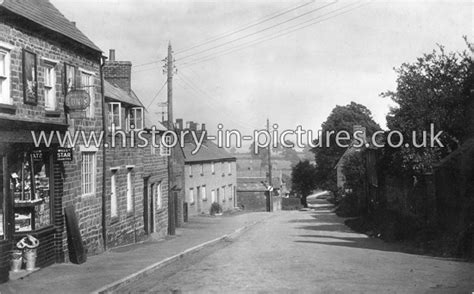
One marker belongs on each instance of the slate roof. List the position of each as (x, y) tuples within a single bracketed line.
[(208, 152), (114, 92), (45, 14)]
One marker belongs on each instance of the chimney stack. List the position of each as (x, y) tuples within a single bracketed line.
[(112, 55), (179, 123), (73, 23), (118, 73)]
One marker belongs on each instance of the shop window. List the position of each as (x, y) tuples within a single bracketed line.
[(49, 87), (115, 115), (129, 190), (30, 185), (88, 173), (136, 118), (113, 194), (87, 84), (5, 75)]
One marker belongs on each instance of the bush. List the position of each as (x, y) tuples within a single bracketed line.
[(215, 208)]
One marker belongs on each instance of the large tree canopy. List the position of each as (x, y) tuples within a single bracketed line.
[(434, 90), (342, 118), (303, 180)]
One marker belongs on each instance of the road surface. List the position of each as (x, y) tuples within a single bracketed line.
[(310, 252)]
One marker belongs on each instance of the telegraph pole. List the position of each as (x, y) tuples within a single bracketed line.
[(171, 202), (269, 201)]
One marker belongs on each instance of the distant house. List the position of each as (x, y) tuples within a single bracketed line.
[(210, 174), (252, 191)]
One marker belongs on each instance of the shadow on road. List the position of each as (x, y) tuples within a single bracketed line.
[(326, 228)]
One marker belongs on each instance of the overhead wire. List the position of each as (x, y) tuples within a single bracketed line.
[(246, 27), (257, 32), (287, 31)]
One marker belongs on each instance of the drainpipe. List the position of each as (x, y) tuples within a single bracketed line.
[(104, 154)]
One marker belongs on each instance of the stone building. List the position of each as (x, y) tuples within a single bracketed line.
[(44, 57), (210, 174), (136, 174)]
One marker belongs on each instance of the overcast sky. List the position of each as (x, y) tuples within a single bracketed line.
[(295, 79)]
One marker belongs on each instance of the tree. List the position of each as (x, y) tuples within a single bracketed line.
[(327, 153), (303, 179), (434, 90)]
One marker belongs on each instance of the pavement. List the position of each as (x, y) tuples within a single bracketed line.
[(117, 267), (307, 251)]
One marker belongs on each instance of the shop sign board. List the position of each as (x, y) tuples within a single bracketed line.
[(37, 155), (64, 154), (77, 100)]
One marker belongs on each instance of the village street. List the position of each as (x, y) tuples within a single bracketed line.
[(307, 251)]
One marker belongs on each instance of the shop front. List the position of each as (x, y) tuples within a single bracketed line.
[(29, 202)]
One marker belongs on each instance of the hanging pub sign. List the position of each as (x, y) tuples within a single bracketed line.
[(37, 155), (63, 154), (77, 99)]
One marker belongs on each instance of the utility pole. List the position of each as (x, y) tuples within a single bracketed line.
[(269, 201), (171, 202)]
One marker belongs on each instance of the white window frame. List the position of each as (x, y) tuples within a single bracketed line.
[(203, 193), (129, 190), (166, 151), (130, 122), (231, 192), (152, 149), (191, 195), (159, 197), (213, 195), (87, 84), (113, 194), (111, 106), (88, 173), (5, 74), (49, 85)]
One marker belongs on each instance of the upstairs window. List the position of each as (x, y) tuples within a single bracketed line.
[(115, 115), (4, 75), (136, 118), (87, 84), (49, 87)]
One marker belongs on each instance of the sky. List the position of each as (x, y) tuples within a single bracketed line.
[(242, 67)]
